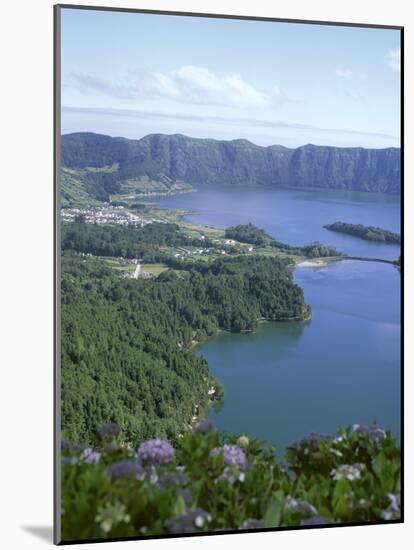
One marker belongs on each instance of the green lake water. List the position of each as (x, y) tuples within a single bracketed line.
[(341, 367)]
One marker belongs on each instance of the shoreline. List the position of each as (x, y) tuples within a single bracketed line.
[(317, 262), (261, 321)]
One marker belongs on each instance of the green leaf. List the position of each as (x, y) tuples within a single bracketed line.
[(343, 488), (179, 506), (274, 512), (384, 469)]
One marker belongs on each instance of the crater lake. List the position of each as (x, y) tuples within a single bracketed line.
[(343, 366)]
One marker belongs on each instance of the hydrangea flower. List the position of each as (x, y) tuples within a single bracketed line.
[(233, 455), (189, 522), (172, 480), (393, 510), (302, 507), (125, 468), (155, 451), (204, 427), (230, 475), (110, 429), (90, 456), (227, 476), (336, 452), (348, 471), (243, 441), (110, 515), (373, 432), (311, 441)]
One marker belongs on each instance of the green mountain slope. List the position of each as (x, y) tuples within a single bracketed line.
[(178, 158)]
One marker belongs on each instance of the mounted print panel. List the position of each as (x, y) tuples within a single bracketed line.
[(228, 274)]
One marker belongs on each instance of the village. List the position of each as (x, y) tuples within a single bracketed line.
[(106, 214), (208, 247)]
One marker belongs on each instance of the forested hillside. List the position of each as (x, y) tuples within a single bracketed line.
[(126, 343)]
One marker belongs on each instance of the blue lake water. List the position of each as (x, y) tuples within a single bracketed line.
[(295, 217), (340, 368)]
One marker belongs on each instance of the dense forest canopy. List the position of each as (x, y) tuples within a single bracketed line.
[(248, 233), (126, 241), (126, 343)]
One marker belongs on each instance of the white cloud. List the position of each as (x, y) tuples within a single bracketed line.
[(342, 72), (393, 59), (187, 84)]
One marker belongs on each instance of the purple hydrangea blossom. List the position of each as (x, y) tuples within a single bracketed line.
[(155, 451), (125, 468), (172, 480), (204, 427), (311, 441), (233, 455), (90, 456), (189, 522), (373, 432)]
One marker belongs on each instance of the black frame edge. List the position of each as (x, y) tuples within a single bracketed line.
[(56, 273), (402, 313), (230, 16)]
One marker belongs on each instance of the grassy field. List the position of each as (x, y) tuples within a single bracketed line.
[(176, 215), (155, 269), (277, 253), (133, 188), (197, 230), (118, 264), (128, 266)]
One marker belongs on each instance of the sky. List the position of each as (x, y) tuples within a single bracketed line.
[(131, 74)]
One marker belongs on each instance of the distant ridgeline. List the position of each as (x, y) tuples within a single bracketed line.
[(96, 166), (366, 232)]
